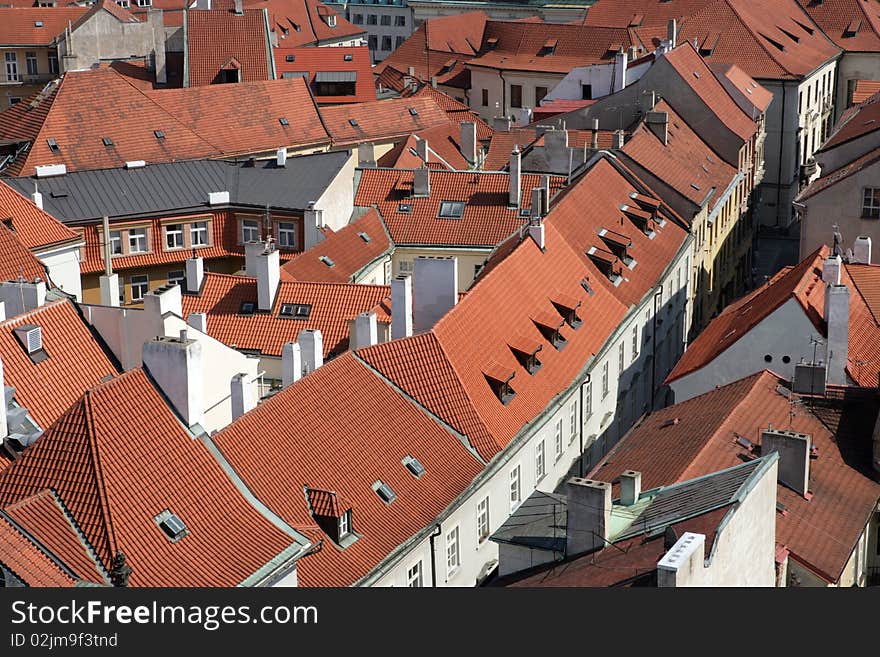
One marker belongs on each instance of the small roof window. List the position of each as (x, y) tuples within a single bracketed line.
[(289, 58), (414, 466), (413, 111), (364, 236), (327, 261), (247, 308), (172, 525), (451, 209), (295, 310), (347, 57), (53, 145), (384, 491), (353, 123), (404, 208), (159, 134), (107, 141), (283, 121)]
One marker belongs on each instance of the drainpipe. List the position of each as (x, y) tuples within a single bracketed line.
[(581, 425), (433, 561), (658, 293), (503, 93), (779, 164)]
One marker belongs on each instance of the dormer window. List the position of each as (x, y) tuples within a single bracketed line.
[(491, 43), (643, 220), (331, 20), (607, 262), (499, 377), (332, 514), (568, 307), (619, 245), (549, 324), (345, 524), (525, 350), (548, 48)]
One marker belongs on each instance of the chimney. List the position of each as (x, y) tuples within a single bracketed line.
[(514, 183), (421, 182), (238, 7), (501, 124), (837, 323), (195, 274), (589, 515), (630, 487), (545, 195), (831, 270), (620, 62), (313, 221), (434, 81), (618, 139), (241, 395), (2, 311), (683, 565), (4, 425), (311, 342), (401, 307), (251, 251), (794, 457), (469, 141), (268, 275), (422, 149), (199, 321), (411, 71), (862, 250), (435, 290), (291, 363), (108, 282), (21, 296), (809, 378), (281, 153), (176, 366), (658, 123), (36, 197), (366, 155), (671, 32), (594, 138), (556, 144), (366, 331), (163, 300), (536, 224), (218, 198)]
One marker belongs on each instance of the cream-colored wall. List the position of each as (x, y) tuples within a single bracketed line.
[(491, 80), (468, 259)]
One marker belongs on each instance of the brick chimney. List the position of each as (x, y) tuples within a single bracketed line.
[(176, 366), (311, 342), (589, 515), (514, 183), (837, 325), (536, 223), (501, 124), (469, 141), (291, 363), (794, 457), (435, 290), (241, 395), (401, 307)]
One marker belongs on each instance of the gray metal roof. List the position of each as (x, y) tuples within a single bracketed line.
[(174, 187), (336, 76)]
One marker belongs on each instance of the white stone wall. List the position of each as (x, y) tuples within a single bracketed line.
[(498, 105), (63, 266)]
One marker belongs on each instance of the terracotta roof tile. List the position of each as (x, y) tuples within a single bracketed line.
[(503, 141), (755, 93), (33, 227), (315, 60), (303, 22), (16, 260), (18, 25), (857, 121), (29, 562), (215, 36), (864, 90), (455, 110), (833, 177), (835, 16), (381, 119)]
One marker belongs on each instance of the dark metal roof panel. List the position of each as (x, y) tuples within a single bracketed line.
[(336, 76)]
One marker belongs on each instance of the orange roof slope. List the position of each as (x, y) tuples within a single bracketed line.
[(28, 561), (858, 121), (755, 93), (853, 25), (864, 90), (320, 434), (644, 13), (302, 22), (76, 361), (35, 26), (486, 219), (120, 474), (214, 37), (332, 306), (33, 227), (354, 59), (455, 110), (829, 179), (350, 249), (381, 119), (820, 532), (16, 260)]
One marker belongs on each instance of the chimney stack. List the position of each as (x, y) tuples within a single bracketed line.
[(671, 32), (20, 296), (837, 324), (589, 515), (311, 342), (536, 224), (268, 275), (195, 274), (108, 282), (683, 563), (237, 4), (594, 138), (658, 123), (469, 141), (794, 457), (831, 270), (36, 197), (862, 250), (630, 487), (618, 139), (435, 290), (291, 363), (281, 154), (366, 331), (421, 182), (620, 63), (176, 366), (514, 183), (313, 221), (163, 300), (501, 124), (401, 307), (366, 155), (241, 395), (422, 149), (556, 144), (199, 321)]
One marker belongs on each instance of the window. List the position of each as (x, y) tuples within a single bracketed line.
[(621, 356), (295, 310), (516, 95), (588, 401), (400, 21), (139, 286), (557, 439), (31, 58), (386, 43), (331, 20), (198, 233), (287, 235), (871, 203), (539, 461), (485, 97), (125, 4), (357, 19), (145, 3), (250, 230), (372, 19), (605, 379), (451, 209), (635, 342), (405, 267), (385, 20), (586, 91), (176, 276), (345, 524), (414, 575), (572, 421), (398, 41), (483, 520), (373, 42), (174, 236), (11, 67), (116, 242), (515, 489), (53, 63), (137, 240), (14, 100), (452, 555), (540, 92)]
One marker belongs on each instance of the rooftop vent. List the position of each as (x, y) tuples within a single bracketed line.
[(283, 121), (159, 134), (172, 525), (414, 466), (30, 336), (53, 145), (327, 261), (135, 164), (384, 492), (107, 141), (364, 236)]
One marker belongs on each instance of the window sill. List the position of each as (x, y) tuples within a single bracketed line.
[(452, 573)]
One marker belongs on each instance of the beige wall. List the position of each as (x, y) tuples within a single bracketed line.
[(27, 84), (468, 260)]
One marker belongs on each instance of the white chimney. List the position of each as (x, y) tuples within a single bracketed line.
[(618, 139), (366, 155), (241, 395), (199, 321), (862, 250), (49, 170), (2, 311), (22, 296), (251, 251), (218, 198), (4, 426), (401, 307), (594, 138), (620, 62), (366, 331), (163, 300), (831, 270), (435, 290), (589, 515), (683, 564), (837, 323), (311, 342), (421, 182), (268, 275), (237, 7), (37, 199), (469, 141), (313, 221), (109, 289), (501, 124), (176, 366), (281, 157), (630, 487), (422, 149), (514, 183), (794, 457), (195, 274), (291, 363)]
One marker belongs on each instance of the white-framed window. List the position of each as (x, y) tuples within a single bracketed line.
[(198, 233), (140, 285), (31, 59), (635, 342), (572, 421), (137, 240), (345, 524), (557, 440), (414, 575), (871, 203), (605, 379), (621, 357), (174, 236), (287, 235), (250, 230), (515, 487), (116, 242), (176, 276), (453, 556), (145, 3), (482, 520), (11, 67), (588, 401), (540, 468)]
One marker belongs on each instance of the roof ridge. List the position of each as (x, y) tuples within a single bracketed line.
[(35, 311), (40, 546), (90, 549), (97, 469)]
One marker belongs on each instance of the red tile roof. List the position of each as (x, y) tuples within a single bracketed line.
[(551, 108), (755, 93), (315, 60), (487, 219), (33, 227), (455, 110), (821, 531), (215, 36), (76, 361), (119, 475), (347, 248), (44, 518), (303, 22), (18, 25), (864, 90), (503, 141), (523, 46), (29, 562), (320, 434), (381, 120), (833, 177), (404, 155), (333, 306), (16, 260), (857, 121), (836, 17)]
